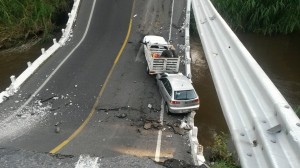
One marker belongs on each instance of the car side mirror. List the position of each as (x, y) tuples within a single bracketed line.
[(145, 43)]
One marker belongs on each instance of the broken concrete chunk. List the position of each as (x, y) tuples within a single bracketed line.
[(169, 136), (147, 125), (57, 123), (157, 125), (178, 131), (123, 115), (57, 129), (185, 126)]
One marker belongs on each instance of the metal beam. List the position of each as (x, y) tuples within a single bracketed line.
[(263, 126)]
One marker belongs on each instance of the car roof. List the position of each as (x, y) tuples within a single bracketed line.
[(180, 82), (155, 39)]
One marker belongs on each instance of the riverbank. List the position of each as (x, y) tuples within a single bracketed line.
[(24, 21)]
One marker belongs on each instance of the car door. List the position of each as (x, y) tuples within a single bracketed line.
[(166, 89)]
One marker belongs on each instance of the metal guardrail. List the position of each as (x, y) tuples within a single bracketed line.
[(264, 127), (32, 67)]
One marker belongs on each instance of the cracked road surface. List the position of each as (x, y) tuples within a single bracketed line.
[(92, 97)]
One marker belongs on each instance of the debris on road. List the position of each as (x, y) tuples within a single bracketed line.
[(53, 109), (185, 126), (49, 98), (174, 163), (175, 126), (123, 115), (57, 129), (147, 125), (57, 123)]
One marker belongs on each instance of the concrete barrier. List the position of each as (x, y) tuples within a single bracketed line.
[(196, 148)]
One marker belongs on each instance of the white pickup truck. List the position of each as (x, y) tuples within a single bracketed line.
[(160, 55)]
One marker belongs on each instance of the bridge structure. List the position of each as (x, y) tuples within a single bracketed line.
[(263, 126)]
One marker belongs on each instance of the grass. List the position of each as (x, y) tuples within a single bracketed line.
[(267, 17), (193, 25), (297, 110), (220, 154), (222, 164), (21, 20)]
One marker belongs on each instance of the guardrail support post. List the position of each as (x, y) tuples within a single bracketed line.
[(63, 33), (43, 50), (13, 79)]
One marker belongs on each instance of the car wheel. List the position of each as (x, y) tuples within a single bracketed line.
[(147, 70), (167, 109)]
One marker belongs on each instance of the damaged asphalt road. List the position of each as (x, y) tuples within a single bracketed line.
[(22, 158), (128, 121)]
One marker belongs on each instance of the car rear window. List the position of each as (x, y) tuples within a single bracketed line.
[(185, 95)]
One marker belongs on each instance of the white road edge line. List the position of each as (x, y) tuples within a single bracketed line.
[(85, 161), (158, 144), (170, 31), (64, 60)]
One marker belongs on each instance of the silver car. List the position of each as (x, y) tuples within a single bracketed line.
[(178, 93)]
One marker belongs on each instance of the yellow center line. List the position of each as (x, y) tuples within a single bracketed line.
[(86, 121)]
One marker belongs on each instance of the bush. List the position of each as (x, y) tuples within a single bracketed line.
[(220, 154), (193, 26), (297, 111), (23, 19), (222, 164), (267, 16)]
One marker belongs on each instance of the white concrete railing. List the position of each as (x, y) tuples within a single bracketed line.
[(264, 128), (196, 148), (188, 61), (66, 34)]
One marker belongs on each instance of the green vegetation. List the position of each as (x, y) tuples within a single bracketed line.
[(21, 20), (219, 153), (193, 25), (297, 111), (223, 164), (261, 16)]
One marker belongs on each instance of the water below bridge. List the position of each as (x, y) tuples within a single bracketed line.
[(279, 57)]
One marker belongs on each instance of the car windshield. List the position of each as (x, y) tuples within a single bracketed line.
[(185, 95)]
